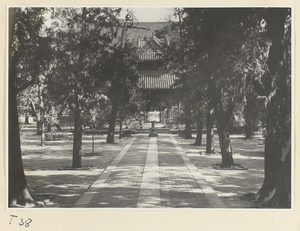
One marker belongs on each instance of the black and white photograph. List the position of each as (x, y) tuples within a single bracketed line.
[(149, 108), (192, 110)]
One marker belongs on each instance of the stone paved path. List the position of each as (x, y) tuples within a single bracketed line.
[(151, 173)]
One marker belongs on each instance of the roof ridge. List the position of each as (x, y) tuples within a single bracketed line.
[(156, 40)]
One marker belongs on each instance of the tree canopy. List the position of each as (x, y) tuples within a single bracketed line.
[(231, 54)]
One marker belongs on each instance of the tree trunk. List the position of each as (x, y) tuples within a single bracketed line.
[(38, 123), (42, 133), (41, 112), (18, 193), (26, 119), (112, 122), (188, 122), (250, 120), (120, 130), (210, 144), (93, 140), (42, 123), (77, 141), (18, 190), (224, 139), (198, 140), (223, 117), (49, 129), (276, 189), (249, 134)]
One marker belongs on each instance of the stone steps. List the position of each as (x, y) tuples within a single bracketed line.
[(158, 130)]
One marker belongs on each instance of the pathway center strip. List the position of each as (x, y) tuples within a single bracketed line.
[(92, 190), (149, 194), (209, 192)]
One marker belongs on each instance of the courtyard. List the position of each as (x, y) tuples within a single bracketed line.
[(140, 172)]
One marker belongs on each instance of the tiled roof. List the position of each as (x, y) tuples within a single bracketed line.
[(156, 81), (157, 40), (149, 46), (149, 55), (134, 33)]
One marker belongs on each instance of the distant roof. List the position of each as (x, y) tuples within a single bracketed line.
[(134, 33), (156, 81), (150, 46), (149, 55)]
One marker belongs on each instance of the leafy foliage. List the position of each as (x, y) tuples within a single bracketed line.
[(30, 50), (82, 42)]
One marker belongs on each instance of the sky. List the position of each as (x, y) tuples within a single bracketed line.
[(143, 14), (150, 14)]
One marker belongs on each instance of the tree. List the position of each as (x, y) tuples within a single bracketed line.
[(199, 120), (123, 87), (27, 49), (265, 63), (216, 40), (39, 106), (182, 57), (24, 100), (238, 49), (210, 143), (97, 110), (273, 84), (199, 104), (178, 62), (29, 99), (84, 37), (122, 71), (131, 105)]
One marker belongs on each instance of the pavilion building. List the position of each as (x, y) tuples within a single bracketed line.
[(157, 85)]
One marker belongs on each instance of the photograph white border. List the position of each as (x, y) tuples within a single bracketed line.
[(289, 219)]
